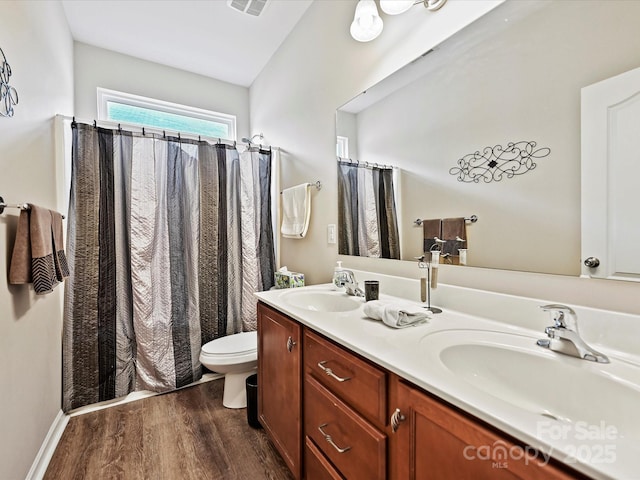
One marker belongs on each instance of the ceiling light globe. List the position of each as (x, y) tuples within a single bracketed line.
[(395, 7), (366, 24)]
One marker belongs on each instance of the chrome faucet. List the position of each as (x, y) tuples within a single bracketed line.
[(563, 336), (347, 279)]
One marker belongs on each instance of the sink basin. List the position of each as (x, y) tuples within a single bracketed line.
[(322, 301), (511, 368)]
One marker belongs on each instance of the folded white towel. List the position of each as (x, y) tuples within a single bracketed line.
[(296, 211), (396, 315)]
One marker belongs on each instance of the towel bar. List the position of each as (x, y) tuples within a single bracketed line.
[(317, 184), (472, 219), (21, 206)]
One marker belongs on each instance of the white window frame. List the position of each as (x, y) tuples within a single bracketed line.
[(105, 95), (342, 147)]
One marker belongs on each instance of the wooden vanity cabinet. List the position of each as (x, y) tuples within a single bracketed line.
[(352, 419), (280, 384), (344, 410), (431, 440)]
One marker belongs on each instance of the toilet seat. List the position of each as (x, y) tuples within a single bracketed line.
[(239, 347)]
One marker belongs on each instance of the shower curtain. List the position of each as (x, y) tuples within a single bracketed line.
[(367, 211), (168, 239)]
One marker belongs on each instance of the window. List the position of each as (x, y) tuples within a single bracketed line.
[(342, 147), (127, 108)]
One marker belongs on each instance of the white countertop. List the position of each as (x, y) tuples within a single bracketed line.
[(589, 448)]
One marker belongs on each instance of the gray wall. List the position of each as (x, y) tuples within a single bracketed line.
[(97, 67), (38, 45), (316, 69), (320, 67), (521, 83)]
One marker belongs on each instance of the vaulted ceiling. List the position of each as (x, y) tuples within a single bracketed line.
[(202, 36)]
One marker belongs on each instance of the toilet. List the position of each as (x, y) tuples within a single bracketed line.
[(237, 357)]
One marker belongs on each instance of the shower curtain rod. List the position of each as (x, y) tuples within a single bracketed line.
[(144, 130), (358, 163)]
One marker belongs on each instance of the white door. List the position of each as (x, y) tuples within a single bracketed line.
[(611, 177)]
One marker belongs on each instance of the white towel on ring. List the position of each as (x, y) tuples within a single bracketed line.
[(396, 315), (296, 211)]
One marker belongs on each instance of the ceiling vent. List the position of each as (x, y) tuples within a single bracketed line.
[(251, 7)]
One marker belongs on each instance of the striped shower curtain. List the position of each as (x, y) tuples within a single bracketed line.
[(367, 211), (168, 239)]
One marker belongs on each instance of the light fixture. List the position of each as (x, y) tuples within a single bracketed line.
[(433, 5), (366, 24), (395, 7)]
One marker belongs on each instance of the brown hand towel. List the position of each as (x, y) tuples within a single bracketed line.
[(20, 269), (35, 258), (59, 257), (431, 228), (452, 228)]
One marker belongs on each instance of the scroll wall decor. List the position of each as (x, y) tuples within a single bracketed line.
[(8, 94), (495, 163)]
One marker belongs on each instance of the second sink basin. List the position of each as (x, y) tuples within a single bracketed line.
[(322, 300), (510, 367)]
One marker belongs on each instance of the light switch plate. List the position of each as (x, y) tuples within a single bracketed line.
[(331, 233)]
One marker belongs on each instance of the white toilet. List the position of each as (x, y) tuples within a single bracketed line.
[(237, 357)]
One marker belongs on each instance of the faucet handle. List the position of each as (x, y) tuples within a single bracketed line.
[(421, 262), (558, 314)]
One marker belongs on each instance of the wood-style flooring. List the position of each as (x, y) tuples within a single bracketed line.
[(181, 435)]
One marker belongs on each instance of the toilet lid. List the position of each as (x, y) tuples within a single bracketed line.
[(238, 343)]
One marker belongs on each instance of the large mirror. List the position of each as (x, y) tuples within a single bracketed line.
[(512, 76)]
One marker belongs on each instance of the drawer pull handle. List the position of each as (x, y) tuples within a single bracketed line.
[(396, 418), (330, 440), (290, 344), (329, 372)]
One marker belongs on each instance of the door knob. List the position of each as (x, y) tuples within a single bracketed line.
[(592, 262)]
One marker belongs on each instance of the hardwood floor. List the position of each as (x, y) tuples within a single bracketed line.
[(181, 435)]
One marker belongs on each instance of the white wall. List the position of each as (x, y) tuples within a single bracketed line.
[(38, 45), (97, 67), (293, 101)]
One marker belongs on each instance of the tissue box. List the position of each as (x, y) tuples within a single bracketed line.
[(289, 279)]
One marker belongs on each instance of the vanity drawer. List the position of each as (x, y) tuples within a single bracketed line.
[(316, 466), (356, 448), (355, 381)]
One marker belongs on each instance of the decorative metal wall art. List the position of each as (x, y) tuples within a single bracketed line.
[(495, 163), (8, 94)]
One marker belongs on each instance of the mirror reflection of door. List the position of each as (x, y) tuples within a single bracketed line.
[(610, 172)]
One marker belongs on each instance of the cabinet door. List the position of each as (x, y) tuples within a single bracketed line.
[(434, 441), (280, 384)]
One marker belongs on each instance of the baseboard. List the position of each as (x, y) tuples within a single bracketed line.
[(41, 462)]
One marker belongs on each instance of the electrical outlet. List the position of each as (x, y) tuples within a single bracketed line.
[(331, 233)]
